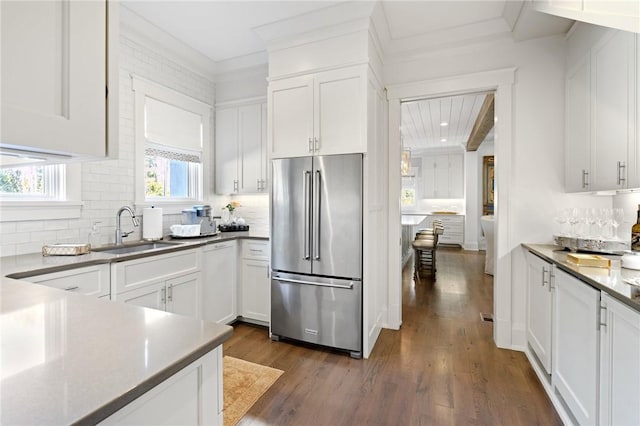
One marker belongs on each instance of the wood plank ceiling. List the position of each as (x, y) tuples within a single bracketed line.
[(441, 123)]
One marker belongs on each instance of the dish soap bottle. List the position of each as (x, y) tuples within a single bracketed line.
[(635, 233), (94, 235)]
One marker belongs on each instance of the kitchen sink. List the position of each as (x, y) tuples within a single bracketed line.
[(134, 248)]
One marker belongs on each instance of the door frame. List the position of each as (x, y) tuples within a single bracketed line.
[(501, 81)]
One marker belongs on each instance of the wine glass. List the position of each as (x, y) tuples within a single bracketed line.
[(562, 217), (616, 220), (574, 219)]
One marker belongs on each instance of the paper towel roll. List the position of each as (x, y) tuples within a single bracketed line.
[(152, 223)]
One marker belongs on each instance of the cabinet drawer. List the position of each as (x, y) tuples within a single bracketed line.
[(255, 249), (140, 272), (90, 280)]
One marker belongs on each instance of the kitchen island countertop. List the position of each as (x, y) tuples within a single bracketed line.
[(69, 358)]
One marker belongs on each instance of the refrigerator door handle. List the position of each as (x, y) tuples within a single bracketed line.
[(287, 280), (316, 215), (307, 180)]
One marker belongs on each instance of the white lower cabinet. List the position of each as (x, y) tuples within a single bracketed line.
[(219, 288), (90, 280), (619, 364), (255, 284), (192, 396), (576, 346), (177, 295), (170, 282), (539, 308)]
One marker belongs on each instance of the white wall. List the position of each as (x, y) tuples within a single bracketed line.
[(108, 185), (536, 162)]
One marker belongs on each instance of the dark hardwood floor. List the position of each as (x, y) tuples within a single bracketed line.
[(441, 368)]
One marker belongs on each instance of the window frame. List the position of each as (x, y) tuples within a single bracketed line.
[(67, 206), (143, 88)]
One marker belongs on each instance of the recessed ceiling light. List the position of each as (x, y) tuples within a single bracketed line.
[(444, 124), (443, 140)]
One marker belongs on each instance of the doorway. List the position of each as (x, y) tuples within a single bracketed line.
[(501, 82)]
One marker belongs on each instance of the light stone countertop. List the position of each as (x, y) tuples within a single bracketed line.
[(412, 220), (68, 358), (609, 280)]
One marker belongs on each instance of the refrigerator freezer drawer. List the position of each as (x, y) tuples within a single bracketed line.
[(317, 310)]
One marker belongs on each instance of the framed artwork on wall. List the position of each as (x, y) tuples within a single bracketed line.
[(488, 185)]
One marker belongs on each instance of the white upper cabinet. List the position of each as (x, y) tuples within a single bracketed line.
[(620, 14), (241, 148), (319, 114), (55, 76), (612, 96), (601, 142), (443, 176), (577, 156)]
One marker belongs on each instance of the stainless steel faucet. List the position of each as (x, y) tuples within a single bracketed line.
[(119, 233)]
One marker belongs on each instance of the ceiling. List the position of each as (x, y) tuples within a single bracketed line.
[(226, 30), (441, 123)]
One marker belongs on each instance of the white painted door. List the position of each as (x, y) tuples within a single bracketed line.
[(575, 355), (54, 76), (219, 289), (578, 134), (151, 296), (539, 308), (256, 293), (340, 112), (226, 150), (619, 364), (291, 117), (183, 295), (250, 144), (612, 96)]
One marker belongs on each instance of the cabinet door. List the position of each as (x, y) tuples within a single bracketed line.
[(226, 150), (441, 176), (619, 364), (250, 141), (54, 76), (291, 119), (429, 177), (152, 296), (575, 355), (613, 65), (456, 176), (577, 145), (256, 294), (539, 309), (219, 289), (183, 295), (90, 280), (340, 112), (264, 158)]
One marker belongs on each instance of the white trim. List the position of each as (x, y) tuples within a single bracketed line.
[(241, 102), (502, 82), (142, 88)]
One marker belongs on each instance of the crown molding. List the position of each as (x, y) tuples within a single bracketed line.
[(138, 29)]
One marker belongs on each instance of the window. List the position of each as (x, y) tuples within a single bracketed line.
[(171, 145), (32, 182), (408, 197)]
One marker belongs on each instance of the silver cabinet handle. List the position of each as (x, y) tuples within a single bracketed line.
[(316, 215), (544, 271), (601, 322), (310, 145), (316, 144), (258, 186), (163, 296), (235, 186), (585, 179), (171, 293), (71, 288), (307, 212), (621, 172)]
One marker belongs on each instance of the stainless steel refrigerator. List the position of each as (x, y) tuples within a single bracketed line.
[(316, 251)]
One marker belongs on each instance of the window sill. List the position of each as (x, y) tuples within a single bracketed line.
[(168, 207), (16, 211)]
